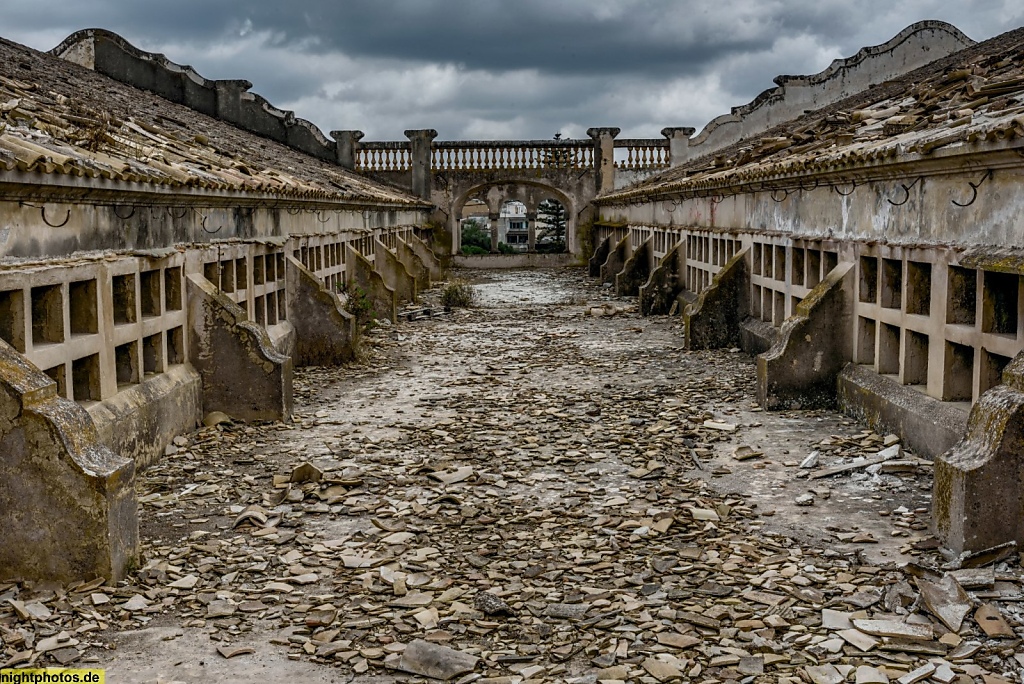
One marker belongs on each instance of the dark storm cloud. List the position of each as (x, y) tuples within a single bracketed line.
[(502, 68)]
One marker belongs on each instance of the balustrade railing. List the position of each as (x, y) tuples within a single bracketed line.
[(384, 156), (475, 155), (641, 154), (487, 155)]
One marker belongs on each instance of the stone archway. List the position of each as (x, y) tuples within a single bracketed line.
[(496, 193)]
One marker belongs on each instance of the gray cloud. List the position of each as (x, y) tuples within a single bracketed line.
[(494, 68)]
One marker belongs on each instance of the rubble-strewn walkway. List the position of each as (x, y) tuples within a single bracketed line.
[(524, 492)]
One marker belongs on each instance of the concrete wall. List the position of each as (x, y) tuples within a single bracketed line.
[(158, 221), (513, 261), (874, 210), (67, 502), (915, 46), (231, 101)]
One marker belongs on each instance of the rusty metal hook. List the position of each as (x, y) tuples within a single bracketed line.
[(974, 190), (906, 191), (784, 196), (202, 224), (845, 194), (42, 212)]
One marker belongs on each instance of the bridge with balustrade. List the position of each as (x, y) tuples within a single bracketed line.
[(571, 171)]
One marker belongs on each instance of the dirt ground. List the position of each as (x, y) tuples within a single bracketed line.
[(579, 469)]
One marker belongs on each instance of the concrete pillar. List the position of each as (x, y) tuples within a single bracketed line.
[(604, 157), (393, 271), (325, 332), (713, 321), (601, 253), (365, 281), (346, 145), (801, 369), (617, 257), (243, 374), (636, 270), (660, 293), (229, 99), (978, 491), (421, 153), (531, 227), (494, 231), (67, 502), (678, 144)]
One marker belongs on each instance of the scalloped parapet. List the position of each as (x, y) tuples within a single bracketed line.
[(243, 374), (67, 502), (913, 47), (229, 100)]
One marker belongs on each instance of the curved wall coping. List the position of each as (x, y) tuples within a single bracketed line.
[(80, 48), (789, 91)]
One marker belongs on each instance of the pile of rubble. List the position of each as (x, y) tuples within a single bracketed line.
[(544, 510)]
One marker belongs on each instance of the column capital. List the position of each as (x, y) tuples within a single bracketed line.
[(678, 144), (355, 136), (676, 132), (346, 144), (421, 134), (609, 132)]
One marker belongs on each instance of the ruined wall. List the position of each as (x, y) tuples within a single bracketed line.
[(913, 47), (231, 101), (54, 225)]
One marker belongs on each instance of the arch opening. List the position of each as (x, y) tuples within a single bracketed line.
[(516, 217)]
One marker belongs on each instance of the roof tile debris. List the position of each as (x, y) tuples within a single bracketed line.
[(60, 118), (973, 96)]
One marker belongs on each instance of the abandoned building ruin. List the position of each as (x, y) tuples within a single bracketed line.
[(172, 246)]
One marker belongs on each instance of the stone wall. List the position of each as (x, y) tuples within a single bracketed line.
[(913, 47)]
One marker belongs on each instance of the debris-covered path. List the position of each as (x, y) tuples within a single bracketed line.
[(526, 492)]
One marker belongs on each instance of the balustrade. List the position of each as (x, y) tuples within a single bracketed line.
[(641, 154), (477, 155)]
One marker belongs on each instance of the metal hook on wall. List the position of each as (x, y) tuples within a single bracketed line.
[(813, 187), (202, 224), (853, 186), (124, 218), (321, 220), (974, 190), (295, 212), (906, 191), (42, 212), (184, 210), (784, 196)]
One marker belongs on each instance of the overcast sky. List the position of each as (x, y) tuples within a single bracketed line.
[(485, 69)]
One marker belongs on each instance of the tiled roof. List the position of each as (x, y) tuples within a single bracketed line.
[(59, 118), (973, 96)]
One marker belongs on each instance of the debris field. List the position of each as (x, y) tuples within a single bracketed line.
[(542, 488)]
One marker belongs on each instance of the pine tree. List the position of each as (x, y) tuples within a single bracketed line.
[(552, 214)]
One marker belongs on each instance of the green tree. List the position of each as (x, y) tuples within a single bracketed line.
[(476, 233), (552, 214)]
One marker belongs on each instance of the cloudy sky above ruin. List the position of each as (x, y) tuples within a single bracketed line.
[(482, 69)]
